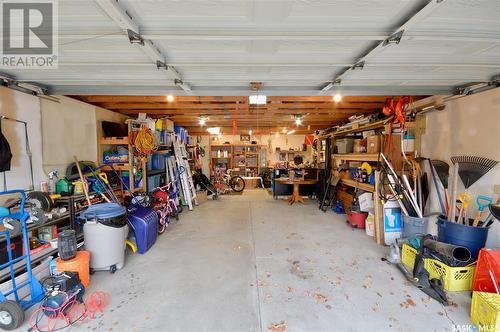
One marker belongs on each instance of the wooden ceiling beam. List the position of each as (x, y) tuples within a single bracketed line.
[(151, 99), (164, 113), (173, 107)]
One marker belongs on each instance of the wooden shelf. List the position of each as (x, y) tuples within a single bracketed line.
[(117, 168), (357, 156), (114, 140), (355, 184)]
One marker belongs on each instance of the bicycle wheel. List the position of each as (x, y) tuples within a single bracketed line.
[(237, 183), (174, 210)]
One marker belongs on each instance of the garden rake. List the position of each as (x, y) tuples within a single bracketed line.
[(471, 169)]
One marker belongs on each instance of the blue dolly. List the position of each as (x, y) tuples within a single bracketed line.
[(12, 312)]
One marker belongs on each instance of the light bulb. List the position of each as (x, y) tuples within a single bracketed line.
[(250, 132), (277, 134), (284, 131), (170, 98), (337, 97), (202, 121), (298, 121)]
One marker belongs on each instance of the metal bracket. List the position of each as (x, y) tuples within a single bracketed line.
[(358, 65), (134, 37), (495, 81), (161, 65), (395, 38)]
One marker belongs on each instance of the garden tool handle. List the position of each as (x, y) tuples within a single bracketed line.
[(481, 206), (465, 199)]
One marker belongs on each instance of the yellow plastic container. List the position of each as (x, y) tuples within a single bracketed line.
[(408, 256), (485, 311), (455, 279)]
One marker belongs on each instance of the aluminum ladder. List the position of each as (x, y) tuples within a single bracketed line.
[(184, 173)]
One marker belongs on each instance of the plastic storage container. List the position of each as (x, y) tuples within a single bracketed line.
[(105, 230), (357, 219), (80, 264), (473, 238), (392, 222), (455, 279), (370, 225), (344, 145), (485, 311), (413, 226), (144, 223), (487, 275)]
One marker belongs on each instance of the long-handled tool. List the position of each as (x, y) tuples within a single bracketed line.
[(489, 219), (442, 170), (82, 179), (472, 168), (438, 193), (482, 203), (465, 199), (453, 198)]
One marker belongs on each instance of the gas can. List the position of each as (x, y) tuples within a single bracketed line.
[(393, 227)]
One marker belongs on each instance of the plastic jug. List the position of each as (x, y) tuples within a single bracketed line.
[(393, 226), (64, 187)]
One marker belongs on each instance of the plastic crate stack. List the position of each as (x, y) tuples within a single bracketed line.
[(455, 279), (485, 307)]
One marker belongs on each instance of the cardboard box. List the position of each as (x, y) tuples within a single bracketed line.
[(168, 125), (115, 158), (360, 145), (201, 196), (373, 144)]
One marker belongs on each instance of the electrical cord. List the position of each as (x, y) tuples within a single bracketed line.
[(96, 301), (144, 142)]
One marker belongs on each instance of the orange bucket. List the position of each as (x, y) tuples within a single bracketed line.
[(78, 264)]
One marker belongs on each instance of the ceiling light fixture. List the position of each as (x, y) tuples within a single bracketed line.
[(290, 132), (284, 131), (257, 99), (214, 130), (298, 119), (337, 97), (277, 134), (202, 120), (170, 98), (250, 132)]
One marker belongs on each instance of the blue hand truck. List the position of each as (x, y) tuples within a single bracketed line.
[(12, 311)]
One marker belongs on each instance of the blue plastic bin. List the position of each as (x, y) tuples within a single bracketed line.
[(473, 238)]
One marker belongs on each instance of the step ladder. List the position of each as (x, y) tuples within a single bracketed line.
[(172, 177), (184, 173)]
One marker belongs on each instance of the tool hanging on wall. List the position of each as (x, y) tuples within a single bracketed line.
[(4, 144), (397, 110), (144, 141)]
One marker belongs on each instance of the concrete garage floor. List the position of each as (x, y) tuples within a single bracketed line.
[(245, 262)]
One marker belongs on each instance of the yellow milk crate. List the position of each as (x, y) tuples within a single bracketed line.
[(455, 279), (485, 311), (408, 256)]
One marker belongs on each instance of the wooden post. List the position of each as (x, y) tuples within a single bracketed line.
[(379, 213)]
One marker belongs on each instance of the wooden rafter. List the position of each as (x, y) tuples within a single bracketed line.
[(319, 112)]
